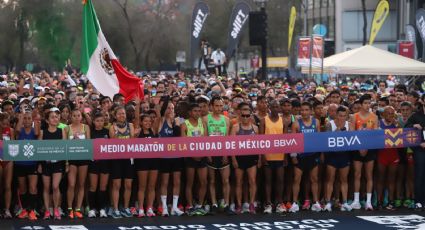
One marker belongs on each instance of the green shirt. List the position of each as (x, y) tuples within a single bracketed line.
[(216, 128)]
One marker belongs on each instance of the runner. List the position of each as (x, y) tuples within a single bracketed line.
[(194, 127), (248, 163), (306, 162), (53, 170), (364, 120), (338, 161), (76, 131)]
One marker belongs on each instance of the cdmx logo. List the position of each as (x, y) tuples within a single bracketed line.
[(28, 150)]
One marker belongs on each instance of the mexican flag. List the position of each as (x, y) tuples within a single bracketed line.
[(99, 63)]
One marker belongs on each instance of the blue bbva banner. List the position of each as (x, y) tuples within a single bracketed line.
[(358, 140)]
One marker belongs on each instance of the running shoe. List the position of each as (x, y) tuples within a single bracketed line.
[(346, 207), (288, 205), (245, 208), (238, 210), (176, 212), (159, 210), (46, 215), (328, 207), (229, 211), (57, 214), (252, 209), (92, 214), (214, 209), (368, 206), (306, 205), (133, 211), (32, 215), (356, 205), (110, 211), (407, 203), (116, 214), (77, 214), (102, 213), (391, 206), (207, 208), (397, 203), (418, 207), (126, 213), (316, 207), (164, 212), (280, 208), (268, 209), (61, 212), (71, 213), (294, 207), (150, 213), (141, 213), (22, 214), (7, 214), (233, 207)]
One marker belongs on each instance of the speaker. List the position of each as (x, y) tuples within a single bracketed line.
[(257, 28)]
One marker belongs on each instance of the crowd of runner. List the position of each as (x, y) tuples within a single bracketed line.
[(66, 106)]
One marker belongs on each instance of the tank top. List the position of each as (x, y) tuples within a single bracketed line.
[(364, 124), (122, 135), (193, 131), (81, 135), (241, 131), (334, 127), (274, 128), (148, 135), (57, 135), (26, 136), (166, 130), (216, 128), (382, 125), (97, 134), (312, 128)]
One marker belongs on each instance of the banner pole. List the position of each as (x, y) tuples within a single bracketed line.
[(310, 74)]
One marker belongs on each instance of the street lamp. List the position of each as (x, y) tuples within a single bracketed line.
[(262, 5)]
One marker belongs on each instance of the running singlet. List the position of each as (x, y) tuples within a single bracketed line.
[(334, 127), (122, 135), (216, 128), (26, 136), (96, 134), (81, 135), (193, 131), (166, 131), (364, 124), (57, 135), (274, 128), (147, 135), (312, 128)]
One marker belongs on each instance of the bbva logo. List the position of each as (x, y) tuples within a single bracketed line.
[(343, 141)]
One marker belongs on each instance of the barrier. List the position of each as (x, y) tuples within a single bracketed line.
[(98, 149)]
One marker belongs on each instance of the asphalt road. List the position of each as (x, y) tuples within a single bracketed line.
[(403, 219)]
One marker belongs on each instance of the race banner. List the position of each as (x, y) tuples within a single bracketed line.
[(317, 51), (292, 20), (198, 146), (48, 150), (420, 25), (237, 22), (199, 15), (173, 147), (410, 32), (406, 49), (304, 51), (381, 13)]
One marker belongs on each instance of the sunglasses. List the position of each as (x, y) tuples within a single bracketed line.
[(246, 116)]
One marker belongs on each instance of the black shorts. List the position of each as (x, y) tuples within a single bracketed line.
[(25, 170), (246, 162), (402, 156), (79, 163), (217, 163), (100, 166), (48, 168), (197, 164), (275, 164), (370, 156), (122, 169), (307, 163), (170, 165), (338, 160), (146, 164)]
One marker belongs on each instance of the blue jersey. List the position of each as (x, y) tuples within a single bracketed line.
[(26, 136), (312, 128)]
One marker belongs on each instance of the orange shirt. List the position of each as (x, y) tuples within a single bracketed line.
[(365, 123), (274, 128)]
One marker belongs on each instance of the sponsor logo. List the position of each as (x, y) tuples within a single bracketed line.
[(343, 141), (13, 150), (28, 150), (238, 23), (105, 61), (398, 222), (198, 23)]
